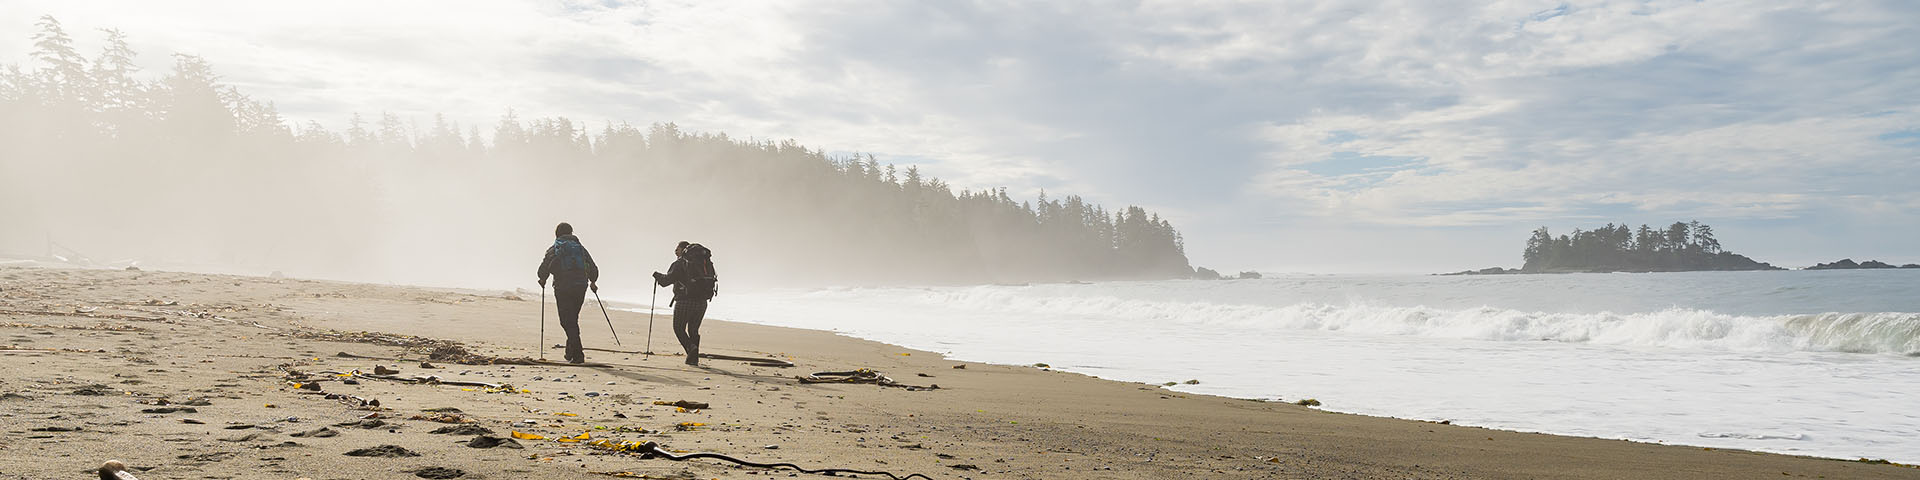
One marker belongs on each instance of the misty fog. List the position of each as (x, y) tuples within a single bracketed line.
[(105, 165)]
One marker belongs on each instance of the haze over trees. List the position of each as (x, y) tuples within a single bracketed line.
[(1617, 248), (101, 161)]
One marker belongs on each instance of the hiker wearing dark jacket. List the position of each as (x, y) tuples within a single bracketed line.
[(573, 274), (693, 280)]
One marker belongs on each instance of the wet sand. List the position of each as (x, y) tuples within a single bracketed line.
[(208, 376)]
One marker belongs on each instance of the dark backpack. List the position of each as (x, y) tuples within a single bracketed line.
[(571, 258), (702, 282)]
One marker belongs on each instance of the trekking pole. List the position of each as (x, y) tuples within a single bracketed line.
[(650, 303), (543, 322), (603, 313)]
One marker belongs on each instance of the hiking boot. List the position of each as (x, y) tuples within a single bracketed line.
[(693, 361), (576, 361)]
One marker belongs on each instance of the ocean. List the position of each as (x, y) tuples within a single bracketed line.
[(1822, 363)]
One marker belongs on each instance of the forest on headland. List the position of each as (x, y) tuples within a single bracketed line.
[(100, 160)]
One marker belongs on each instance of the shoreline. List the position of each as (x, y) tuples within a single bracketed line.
[(1174, 388), (997, 421)]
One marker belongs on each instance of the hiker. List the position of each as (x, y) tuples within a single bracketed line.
[(694, 283), (573, 274)]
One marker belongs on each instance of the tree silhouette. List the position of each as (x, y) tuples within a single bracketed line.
[(1681, 247), (231, 159)]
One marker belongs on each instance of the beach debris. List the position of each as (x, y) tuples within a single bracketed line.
[(960, 367), (383, 370), (363, 423), (56, 429), (488, 441), (442, 418), (861, 376), (1191, 382), (114, 316), (385, 451), (322, 432), (463, 429), (1042, 365), (655, 450), (438, 472), (165, 410), (963, 466), (437, 350), (526, 436), (114, 469), (685, 404), (245, 438), (1307, 402), (94, 390), (350, 400), (428, 366), (97, 327), (190, 421)]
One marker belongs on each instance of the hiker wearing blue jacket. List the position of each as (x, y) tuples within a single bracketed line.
[(573, 274)]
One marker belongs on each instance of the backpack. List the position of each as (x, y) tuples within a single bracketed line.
[(571, 258), (702, 282)]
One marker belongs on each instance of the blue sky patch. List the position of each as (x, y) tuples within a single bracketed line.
[(1905, 138)]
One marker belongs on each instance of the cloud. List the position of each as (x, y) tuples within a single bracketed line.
[(1662, 109)]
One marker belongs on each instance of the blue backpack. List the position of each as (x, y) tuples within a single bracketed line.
[(571, 258)]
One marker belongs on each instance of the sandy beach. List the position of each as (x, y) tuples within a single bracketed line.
[(208, 376)]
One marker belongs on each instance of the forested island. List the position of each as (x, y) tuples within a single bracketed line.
[(1849, 264), (1681, 247), (186, 167)]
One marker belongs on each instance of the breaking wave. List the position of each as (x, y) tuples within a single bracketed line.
[(1893, 333)]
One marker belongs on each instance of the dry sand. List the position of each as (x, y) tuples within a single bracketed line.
[(95, 356)]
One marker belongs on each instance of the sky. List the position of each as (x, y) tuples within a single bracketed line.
[(1279, 136)]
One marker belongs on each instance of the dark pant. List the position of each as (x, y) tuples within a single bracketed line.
[(569, 301), (686, 325)]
